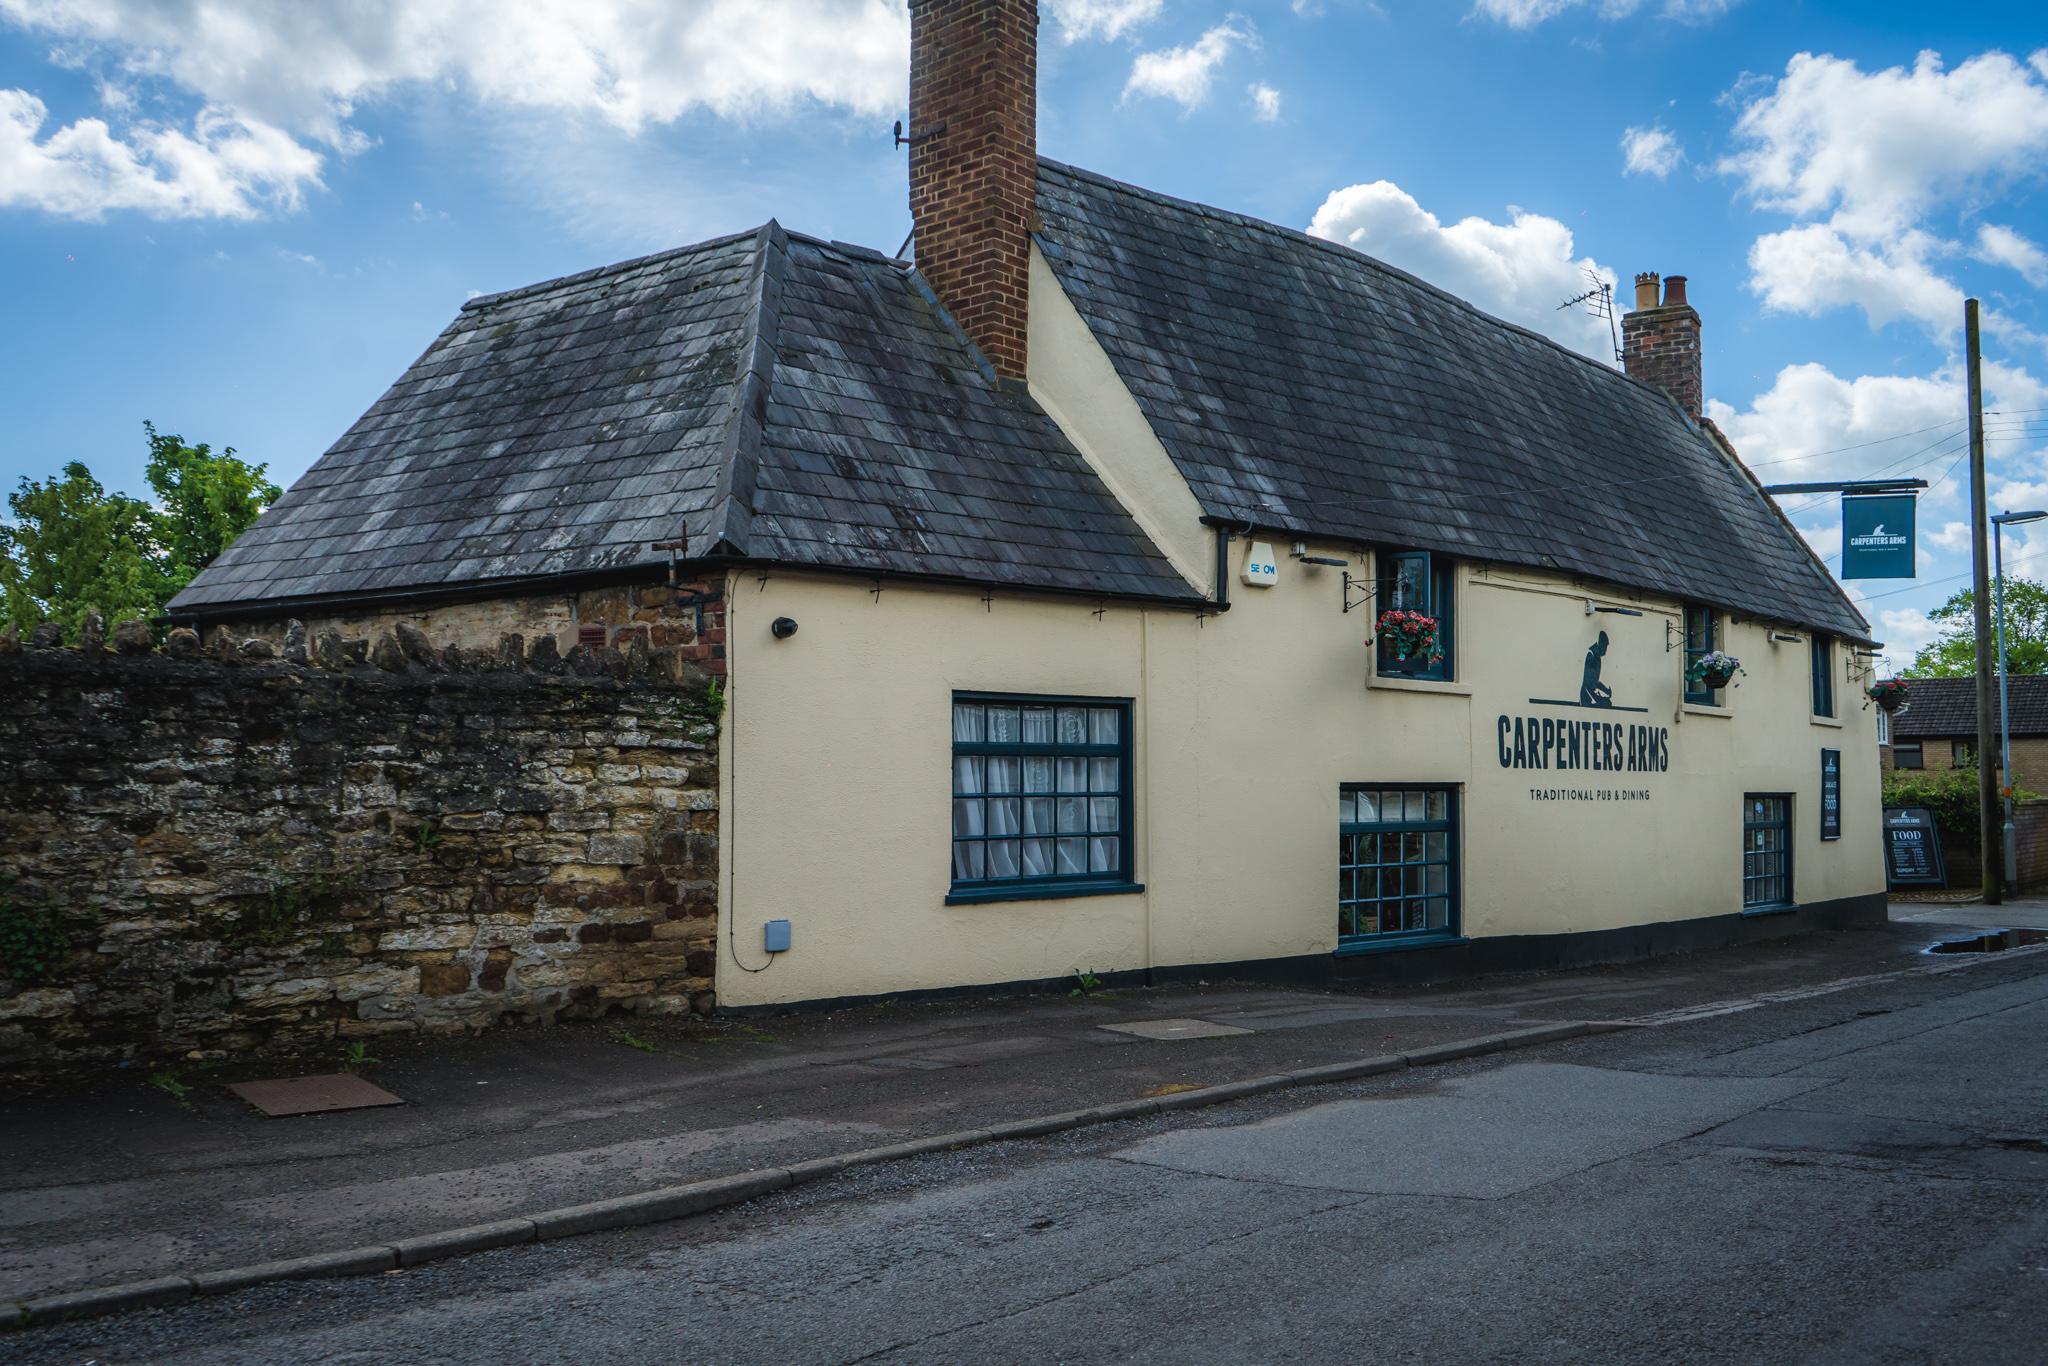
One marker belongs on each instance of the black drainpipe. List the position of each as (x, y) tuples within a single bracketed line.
[(1225, 527)]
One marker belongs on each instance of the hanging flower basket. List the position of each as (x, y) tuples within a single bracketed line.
[(1715, 670), (1410, 635), (1889, 693)]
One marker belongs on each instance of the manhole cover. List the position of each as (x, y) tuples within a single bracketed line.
[(1991, 941), (313, 1095), (1176, 1029)]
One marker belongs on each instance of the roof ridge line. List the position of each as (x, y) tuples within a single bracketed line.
[(1353, 253), (732, 500), (599, 272)]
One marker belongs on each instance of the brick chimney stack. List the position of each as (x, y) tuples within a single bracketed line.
[(974, 164), (1660, 341)]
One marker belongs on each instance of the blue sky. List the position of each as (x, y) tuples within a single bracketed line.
[(243, 220)]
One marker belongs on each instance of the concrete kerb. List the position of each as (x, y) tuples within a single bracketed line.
[(703, 1197)]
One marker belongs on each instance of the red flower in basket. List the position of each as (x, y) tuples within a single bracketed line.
[(1411, 635)]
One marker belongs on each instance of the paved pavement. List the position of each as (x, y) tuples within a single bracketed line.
[(214, 1180)]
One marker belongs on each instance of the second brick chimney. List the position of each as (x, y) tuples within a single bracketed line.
[(974, 164), (1660, 341)]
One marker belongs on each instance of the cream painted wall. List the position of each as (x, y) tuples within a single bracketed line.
[(839, 741), (838, 748)]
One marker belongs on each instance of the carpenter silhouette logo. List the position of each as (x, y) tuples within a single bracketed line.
[(1594, 693)]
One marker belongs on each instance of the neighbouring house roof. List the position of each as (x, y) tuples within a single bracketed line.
[(1946, 708), (1302, 386), (785, 400)]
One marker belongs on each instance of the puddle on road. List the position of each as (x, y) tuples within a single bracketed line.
[(1991, 941)]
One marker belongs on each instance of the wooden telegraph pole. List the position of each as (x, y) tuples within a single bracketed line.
[(1988, 843)]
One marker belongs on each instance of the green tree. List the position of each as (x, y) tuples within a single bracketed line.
[(72, 546), (1953, 654), (204, 501)]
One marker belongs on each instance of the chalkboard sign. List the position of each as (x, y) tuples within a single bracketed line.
[(1912, 848), (1831, 794)]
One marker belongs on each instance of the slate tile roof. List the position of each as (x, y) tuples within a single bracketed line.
[(1946, 708), (1303, 386), (783, 399)]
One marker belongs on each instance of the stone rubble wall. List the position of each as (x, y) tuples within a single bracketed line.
[(241, 845), (687, 618)]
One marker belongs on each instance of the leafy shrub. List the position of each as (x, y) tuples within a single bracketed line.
[(32, 944), (1951, 794)]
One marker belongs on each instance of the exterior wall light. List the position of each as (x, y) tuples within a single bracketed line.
[(782, 628)]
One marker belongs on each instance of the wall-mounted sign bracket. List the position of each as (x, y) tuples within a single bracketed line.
[(1367, 590)]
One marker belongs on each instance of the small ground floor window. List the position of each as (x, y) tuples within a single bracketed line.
[(1397, 858), (1766, 851)]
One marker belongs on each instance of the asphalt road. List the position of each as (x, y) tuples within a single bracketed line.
[(1859, 1177)]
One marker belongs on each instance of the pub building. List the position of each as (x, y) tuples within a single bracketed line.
[(1127, 585)]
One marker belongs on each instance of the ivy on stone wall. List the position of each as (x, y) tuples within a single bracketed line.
[(33, 946)]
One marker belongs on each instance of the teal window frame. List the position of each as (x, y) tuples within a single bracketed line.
[(1400, 573), (1430, 835), (1702, 636), (978, 792), (1823, 667), (1766, 852)]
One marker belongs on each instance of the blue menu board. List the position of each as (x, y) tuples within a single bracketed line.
[(1831, 794)]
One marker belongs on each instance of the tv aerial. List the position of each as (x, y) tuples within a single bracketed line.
[(1599, 301)]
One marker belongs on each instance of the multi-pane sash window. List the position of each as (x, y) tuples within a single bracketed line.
[(1416, 581), (1766, 851), (1823, 676), (1396, 862), (1702, 636), (1041, 793)]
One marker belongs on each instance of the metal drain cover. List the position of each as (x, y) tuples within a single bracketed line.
[(313, 1095)]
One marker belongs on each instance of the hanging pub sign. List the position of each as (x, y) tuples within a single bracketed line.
[(1831, 794), (1912, 848), (1877, 536)]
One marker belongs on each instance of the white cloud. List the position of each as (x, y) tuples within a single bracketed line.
[(1529, 13), (1650, 151), (1079, 19), (1520, 270), (1795, 430), (1697, 11), (1826, 539), (1953, 536), (2001, 246), (1903, 630), (1265, 101), (1183, 74), (273, 81), (1813, 269), (1876, 150), (1813, 425), (226, 167)]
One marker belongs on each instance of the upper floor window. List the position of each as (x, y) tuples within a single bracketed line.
[(1823, 664), (1702, 636), (1884, 727), (1041, 796), (1417, 581), (1907, 755)]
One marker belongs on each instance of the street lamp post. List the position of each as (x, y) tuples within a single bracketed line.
[(1999, 524)]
